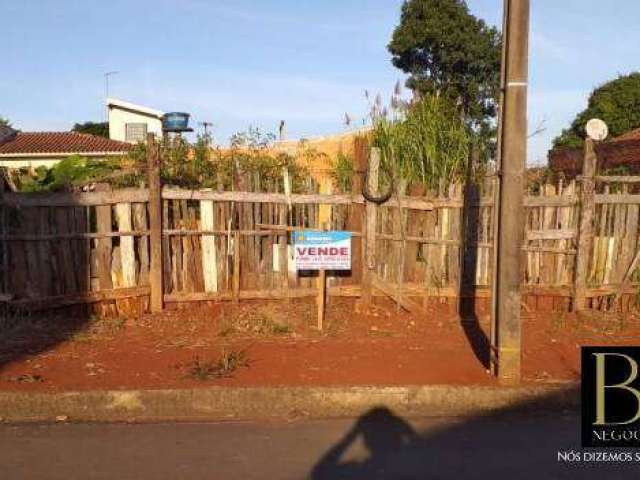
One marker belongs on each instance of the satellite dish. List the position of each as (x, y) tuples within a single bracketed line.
[(597, 129)]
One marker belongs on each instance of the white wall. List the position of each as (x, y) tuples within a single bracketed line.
[(35, 162), (118, 118)]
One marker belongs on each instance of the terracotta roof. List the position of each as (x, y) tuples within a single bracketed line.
[(610, 155), (60, 142), (631, 135)]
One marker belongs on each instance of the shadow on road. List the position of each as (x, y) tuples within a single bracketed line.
[(519, 442)]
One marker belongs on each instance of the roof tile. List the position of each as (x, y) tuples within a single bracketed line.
[(60, 142)]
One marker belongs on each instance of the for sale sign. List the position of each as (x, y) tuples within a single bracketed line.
[(322, 250)]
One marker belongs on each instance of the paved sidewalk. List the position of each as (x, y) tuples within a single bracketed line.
[(284, 402)]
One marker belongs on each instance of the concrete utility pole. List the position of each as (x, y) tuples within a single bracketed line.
[(509, 219)]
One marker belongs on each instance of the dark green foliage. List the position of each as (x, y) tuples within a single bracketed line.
[(71, 171), (248, 164), (4, 121), (185, 165), (447, 50), (343, 172), (101, 129), (616, 102)]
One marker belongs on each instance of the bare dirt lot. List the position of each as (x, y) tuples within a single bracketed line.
[(275, 343)]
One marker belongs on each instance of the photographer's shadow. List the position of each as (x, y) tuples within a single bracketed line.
[(385, 436)]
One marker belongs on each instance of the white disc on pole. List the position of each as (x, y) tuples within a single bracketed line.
[(597, 129)]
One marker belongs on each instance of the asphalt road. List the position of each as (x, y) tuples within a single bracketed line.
[(376, 446)]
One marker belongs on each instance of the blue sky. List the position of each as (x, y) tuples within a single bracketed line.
[(247, 62)]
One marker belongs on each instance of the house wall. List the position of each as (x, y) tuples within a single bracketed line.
[(119, 117), (35, 162), (319, 155)]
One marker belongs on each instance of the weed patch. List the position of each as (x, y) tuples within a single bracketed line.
[(223, 367)]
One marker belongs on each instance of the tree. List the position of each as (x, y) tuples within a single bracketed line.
[(616, 102), (100, 129), (447, 50), (4, 122)]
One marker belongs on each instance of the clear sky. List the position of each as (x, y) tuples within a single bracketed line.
[(254, 62)]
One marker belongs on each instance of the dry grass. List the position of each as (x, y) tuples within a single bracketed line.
[(262, 320), (223, 367)]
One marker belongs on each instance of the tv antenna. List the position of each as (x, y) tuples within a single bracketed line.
[(205, 126), (106, 81)]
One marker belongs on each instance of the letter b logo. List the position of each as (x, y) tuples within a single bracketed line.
[(610, 396)]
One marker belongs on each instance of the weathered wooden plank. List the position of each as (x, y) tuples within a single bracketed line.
[(617, 178), (104, 246), (75, 199), (46, 269), (155, 225), (391, 291), (34, 286), (66, 261), (140, 223), (176, 248), (209, 251), (127, 253), (82, 251), (236, 267), (551, 234), (59, 301), (630, 238), (612, 198), (46, 237), (553, 201), (303, 199)]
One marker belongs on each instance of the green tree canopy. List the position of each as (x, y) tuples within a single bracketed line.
[(616, 102), (4, 122), (446, 49), (100, 129)]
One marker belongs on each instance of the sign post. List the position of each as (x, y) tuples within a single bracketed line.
[(322, 251)]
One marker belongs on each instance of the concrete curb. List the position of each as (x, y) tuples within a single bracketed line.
[(219, 403)]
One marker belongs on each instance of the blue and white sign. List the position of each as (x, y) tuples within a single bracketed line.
[(322, 250)]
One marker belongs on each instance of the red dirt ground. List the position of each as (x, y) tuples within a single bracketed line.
[(282, 347)]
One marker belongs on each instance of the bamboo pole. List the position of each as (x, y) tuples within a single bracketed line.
[(236, 267), (155, 225), (371, 216)]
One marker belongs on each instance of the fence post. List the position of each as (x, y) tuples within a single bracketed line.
[(585, 235), (155, 225), (322, 287), (371, 214)]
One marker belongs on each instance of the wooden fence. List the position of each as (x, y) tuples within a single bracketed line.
[(62, 249)]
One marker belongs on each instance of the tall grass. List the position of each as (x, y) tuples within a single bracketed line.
[(424, 142)]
